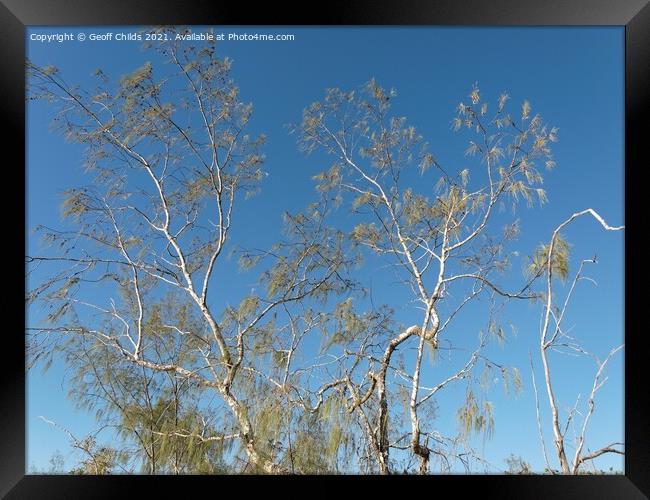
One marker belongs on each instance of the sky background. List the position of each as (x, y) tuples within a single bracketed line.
[(574, 77)]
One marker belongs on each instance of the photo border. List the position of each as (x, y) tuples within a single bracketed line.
[(17, 15)]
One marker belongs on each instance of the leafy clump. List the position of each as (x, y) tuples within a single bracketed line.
[(559, 259)]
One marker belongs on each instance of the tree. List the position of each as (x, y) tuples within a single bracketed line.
[(517, 465), (95, 458), (553, 261), (145, 227), (437, 244)]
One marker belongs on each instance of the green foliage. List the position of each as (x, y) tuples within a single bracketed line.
[(268, 419), (57, 462), (511, 231), (247, 261), (367, 234), (98, 460), (511, 377), (347, 325), (497, 331), (308, 453), (517, 465), (328, 180), (175, 440), (475, 416), (559, 259)]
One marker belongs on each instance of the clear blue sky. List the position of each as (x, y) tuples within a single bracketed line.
[(574, 77)]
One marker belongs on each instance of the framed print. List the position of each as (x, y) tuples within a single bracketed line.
[(377, 242)]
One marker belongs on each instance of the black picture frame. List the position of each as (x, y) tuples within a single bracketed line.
[(16, 15)]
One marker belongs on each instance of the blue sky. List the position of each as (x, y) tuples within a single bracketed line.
[(574, 77)]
